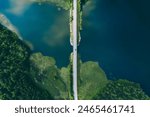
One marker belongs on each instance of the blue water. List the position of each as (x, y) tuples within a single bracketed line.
[(119, 40), (118, 36)]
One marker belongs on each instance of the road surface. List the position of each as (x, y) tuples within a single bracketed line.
[(75, 38)]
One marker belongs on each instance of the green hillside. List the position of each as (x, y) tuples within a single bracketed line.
[(15, 80), (27, 75)]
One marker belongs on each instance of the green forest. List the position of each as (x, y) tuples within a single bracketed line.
[(26, 75)]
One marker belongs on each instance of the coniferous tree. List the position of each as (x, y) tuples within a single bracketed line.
[(15, 81)]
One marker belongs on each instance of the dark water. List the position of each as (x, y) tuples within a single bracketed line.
[(33, 25), (118, 36), (119, 39)]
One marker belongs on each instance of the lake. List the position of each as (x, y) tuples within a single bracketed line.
[(115, 33)]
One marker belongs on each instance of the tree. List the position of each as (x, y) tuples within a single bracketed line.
[(68, 5), (15, 80), (46, 75), (65, 4), (92, 79), (121, 90)]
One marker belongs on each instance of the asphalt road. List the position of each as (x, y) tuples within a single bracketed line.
[(75, 38)]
